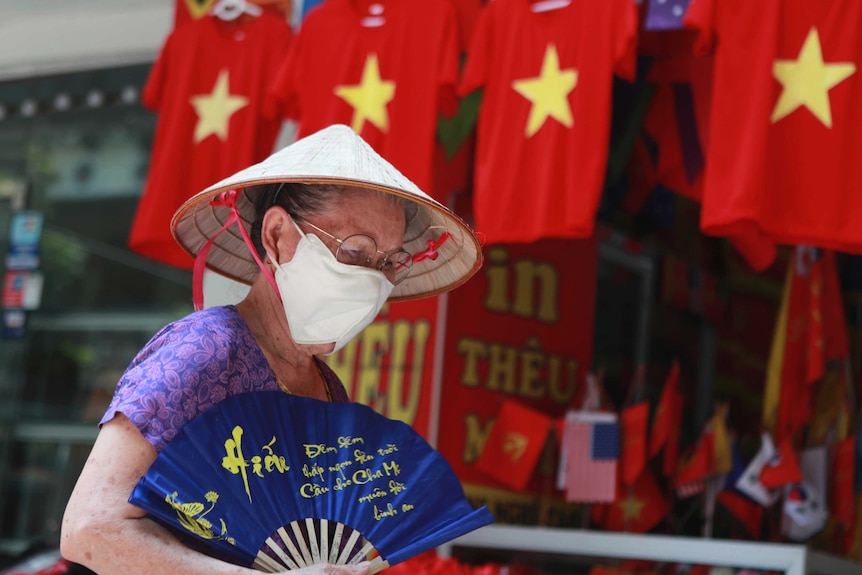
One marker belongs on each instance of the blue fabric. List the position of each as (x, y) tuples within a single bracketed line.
[(665, 14), (606, 441), (308, 5)]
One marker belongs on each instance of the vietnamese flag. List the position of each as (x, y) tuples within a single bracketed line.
[(671, 449), (634, 429), (842, 504), (783, 159), (809, 331), (783, 469), (514, 444), (637, 509), (749, 513), (787, 366), (666, 423), (663, 420)]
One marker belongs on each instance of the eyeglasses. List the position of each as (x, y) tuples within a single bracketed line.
[(361, 250)]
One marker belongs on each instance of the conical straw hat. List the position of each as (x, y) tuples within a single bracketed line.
[(334, 155)]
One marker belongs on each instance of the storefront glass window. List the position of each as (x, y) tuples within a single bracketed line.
[(78, 145)]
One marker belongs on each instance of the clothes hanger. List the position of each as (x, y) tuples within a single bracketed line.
[(548, 5), (374, 17), (229, 10)]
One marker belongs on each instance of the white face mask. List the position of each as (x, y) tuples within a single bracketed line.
[(326, 301)]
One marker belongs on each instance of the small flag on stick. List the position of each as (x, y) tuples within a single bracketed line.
[(639, 508), (592, 444), (514, 444), (783, 468), (749, 482), (634, 421), (746, 511), (692, 479), (666, 423)]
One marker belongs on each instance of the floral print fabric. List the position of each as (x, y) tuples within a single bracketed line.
[(191, 365)]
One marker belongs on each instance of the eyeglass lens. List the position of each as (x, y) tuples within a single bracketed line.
[(361, 250)]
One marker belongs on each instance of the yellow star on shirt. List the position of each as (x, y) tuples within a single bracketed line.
[(548, 92), (370, 97), (807, 80), (216, 108)]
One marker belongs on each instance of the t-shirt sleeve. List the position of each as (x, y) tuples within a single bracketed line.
[(279, 40), (153, 91), (626, 47), (700, 16), (476, 68), (449, 65), (181, 372), (284, 91)]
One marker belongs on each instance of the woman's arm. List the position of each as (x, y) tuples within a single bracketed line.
[(104, 532)]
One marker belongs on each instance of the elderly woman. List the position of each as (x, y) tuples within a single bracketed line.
[(326, 232)]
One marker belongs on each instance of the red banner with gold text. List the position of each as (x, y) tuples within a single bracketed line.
[(521, 329), (390, 365)]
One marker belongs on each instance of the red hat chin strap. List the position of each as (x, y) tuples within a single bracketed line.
[(228, 200)]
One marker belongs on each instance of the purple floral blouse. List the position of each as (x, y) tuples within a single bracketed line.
[(191, 365)]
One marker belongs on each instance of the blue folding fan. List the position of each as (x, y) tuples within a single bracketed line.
[(278, 482)]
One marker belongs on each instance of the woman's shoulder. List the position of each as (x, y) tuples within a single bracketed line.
[(214, 327), (189, 366), (220, 320)]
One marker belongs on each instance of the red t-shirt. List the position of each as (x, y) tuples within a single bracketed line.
[(544, 124), (678, 122), (387, 73), (208, 87), (784, 157)]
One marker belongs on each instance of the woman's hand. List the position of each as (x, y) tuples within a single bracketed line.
[(104, 532)]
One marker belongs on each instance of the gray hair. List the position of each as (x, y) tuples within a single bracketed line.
[(302, 200)]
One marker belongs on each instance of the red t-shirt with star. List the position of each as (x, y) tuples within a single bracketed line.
[(544, 124), (784, 157), (387, 68), (208, 87)]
